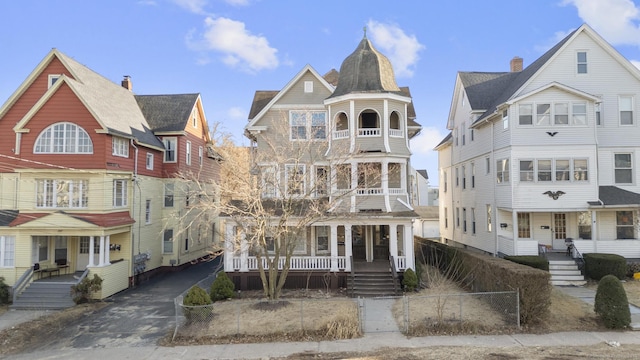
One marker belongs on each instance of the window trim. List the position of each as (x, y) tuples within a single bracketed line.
[(200, 155), (147, 211), (616, 168), (165, 242), (632, 105), (310, 133), (584, 63), (51, 79), (149, 161), (169, 195), (7, 246), (502, 171), (316, 237), (120, 198), (119, 147), (47, 142), (167, 141), (631, 226), (188, 152), (297, 168), (77, 193)]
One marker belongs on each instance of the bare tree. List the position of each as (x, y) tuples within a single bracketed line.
[(275, 190)]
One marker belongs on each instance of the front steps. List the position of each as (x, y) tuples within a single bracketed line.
[(371, 281), (45, 296), (565, 273)]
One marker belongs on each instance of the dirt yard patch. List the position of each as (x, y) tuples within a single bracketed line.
[(26, 335)]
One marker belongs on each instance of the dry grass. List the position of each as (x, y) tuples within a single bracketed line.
[(632, 287)]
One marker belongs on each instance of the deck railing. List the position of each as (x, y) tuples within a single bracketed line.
[(368, 132), (296, 263), (341, 134)]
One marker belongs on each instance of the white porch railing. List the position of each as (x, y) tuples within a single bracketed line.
[(396, 133), (373, 191), (297, 263), (341, 134), (368, 132), (396, 191), (401, 262)]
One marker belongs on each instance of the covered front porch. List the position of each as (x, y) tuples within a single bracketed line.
[(331, 247)]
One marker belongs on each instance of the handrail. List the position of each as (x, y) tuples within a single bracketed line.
[(394, 274), (22, 283), (353, 276), (578, 256), (84, 275)]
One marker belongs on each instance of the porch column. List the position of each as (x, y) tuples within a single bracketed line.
[(408, 246), (393, 241), (594, 230), (385, 182), (101, 254), (228, 248), (514, 221), (354, 185), (107, 250), (334, 247), (91, 251), (244, 253), (348, 251)]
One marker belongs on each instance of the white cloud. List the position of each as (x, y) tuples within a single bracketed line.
[(194, 6), (237, 46), (636, 63), (615, 20), (237, 113), (401, 49), (424, 143)]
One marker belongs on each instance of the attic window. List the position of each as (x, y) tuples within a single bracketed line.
[(52, 79), (308, 86), (582, 62)]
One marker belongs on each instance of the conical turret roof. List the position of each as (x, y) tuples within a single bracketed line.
[(366, 70)]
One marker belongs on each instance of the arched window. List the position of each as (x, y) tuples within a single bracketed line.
[(63, 138), (394, 121), (369, 120), (342, 122)]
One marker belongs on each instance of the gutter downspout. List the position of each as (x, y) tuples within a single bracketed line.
[(135, 182)]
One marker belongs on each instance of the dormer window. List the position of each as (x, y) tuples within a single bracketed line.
[(119, 147), (52, 79)]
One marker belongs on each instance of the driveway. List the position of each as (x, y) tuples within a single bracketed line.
[(135, 317)]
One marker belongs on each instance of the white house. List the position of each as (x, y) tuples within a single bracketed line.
[(546, 153)]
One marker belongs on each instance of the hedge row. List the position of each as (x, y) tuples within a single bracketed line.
[(484, 273), (597, 266), (537, 262)]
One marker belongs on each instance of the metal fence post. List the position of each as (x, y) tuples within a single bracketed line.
[(238, 318), (518, 306), (302, 315)]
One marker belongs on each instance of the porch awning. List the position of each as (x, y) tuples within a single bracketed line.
[(7, 216), (102, 220), (615, 196)]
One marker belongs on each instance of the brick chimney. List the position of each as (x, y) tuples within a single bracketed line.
[(126, 82), (516, 64)]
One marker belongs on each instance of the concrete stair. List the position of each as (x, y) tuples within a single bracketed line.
[(566, 273), (45, 295), (371, 283)]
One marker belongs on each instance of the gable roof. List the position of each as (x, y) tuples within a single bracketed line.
[(113, 106), (167, 113), (264, 95)]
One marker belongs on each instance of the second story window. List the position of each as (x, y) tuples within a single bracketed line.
[(53, 193), (295, 176), (170, 149), (623, 169), (502, 171), (269, 181), (307, 125), (526, 170), (63, 138), (625, 103), (200, 155), (395, 125), (149, 164), (119, 193), (188, 153), (168, 194), (119, 147), (368, 123)]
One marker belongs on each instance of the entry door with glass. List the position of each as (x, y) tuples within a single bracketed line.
[(559, 230)]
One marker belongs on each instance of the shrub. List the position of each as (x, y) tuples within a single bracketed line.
[(222, 288), (611, 303), (4, 292), (598, 265), (410, 280), (537, 262), (82, 291), (633, 268), (194, 305)]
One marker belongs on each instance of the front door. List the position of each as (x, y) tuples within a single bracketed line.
[(358, 242), (83, 253), (559, 230)]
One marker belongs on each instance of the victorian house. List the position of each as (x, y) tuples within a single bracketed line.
[(545, 155), (88, 178), (359, 123)]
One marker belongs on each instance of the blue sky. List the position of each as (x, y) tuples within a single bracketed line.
[(227, 49)]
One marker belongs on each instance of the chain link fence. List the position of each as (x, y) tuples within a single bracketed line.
[(330, 318), (484, 311)]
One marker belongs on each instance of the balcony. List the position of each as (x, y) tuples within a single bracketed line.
[(341, 134), (369, 132)]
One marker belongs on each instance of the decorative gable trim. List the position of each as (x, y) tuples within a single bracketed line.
[(558, 86)]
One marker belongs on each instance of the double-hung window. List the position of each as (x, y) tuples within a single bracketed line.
[(52, 193), (168, 194), (543, 114), (119, 193), (502, 170), (322, 239), (544, 170), (295, 176), (307, 125), (147, 211), (188, 153), (561, 114), (170, 149), (7, 250), (579, 113), (562, 170), (624, 225), (526, 170), (623, 169), (269, 181), (581, 62), (625, 104), (167, 241), (149, 164), (200, 155), (525, 116)]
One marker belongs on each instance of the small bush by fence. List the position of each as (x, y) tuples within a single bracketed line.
[(330, 318), (458, 313)]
